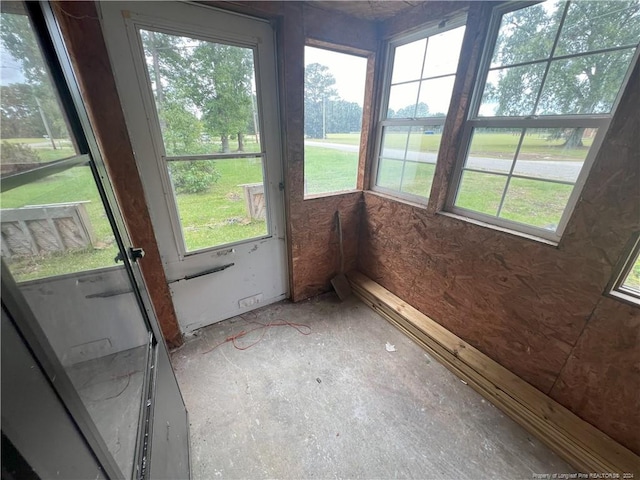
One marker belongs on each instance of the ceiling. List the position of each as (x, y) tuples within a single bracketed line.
[(367, 9)]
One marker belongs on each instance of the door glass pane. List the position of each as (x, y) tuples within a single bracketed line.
[(204, 94), (60, 248), (205, 97), (219, 201)]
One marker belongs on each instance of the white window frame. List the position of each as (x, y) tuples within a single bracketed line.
[(599, 121), (616, 287), (383, 121)]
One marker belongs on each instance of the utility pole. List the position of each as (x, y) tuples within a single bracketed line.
[(46, 124)]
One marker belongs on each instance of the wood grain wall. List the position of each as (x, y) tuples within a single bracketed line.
[(83, 37), (537, 309)]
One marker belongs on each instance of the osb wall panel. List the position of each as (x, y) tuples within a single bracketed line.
[(311, 225), (601, 380), (336, 27), (83, 36), (524, 303)]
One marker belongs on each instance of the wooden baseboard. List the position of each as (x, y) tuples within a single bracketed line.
[(579, 443)]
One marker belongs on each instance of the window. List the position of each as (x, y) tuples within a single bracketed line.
[(548, 88), (419, 82), (333, 100), (626, 282)]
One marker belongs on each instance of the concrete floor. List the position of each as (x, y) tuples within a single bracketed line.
[(337, 404)]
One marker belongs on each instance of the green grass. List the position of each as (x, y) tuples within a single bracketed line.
[(219, 215), (327, 170), (75, 184), (493, 145)]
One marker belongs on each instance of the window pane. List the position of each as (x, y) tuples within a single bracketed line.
[(394, 142), (389, 173), (554, 153), (424, 143), (511, 91), (407, 61), (480, 192), (535, 203), (584, 85), (443, 52), (493, 149), (204, 94), (402, 100), (219, 201), (527, 34), (329, 170), (598, 25), (334, 98), (33, 128), (56, 225), (435, 96), (417, 178)]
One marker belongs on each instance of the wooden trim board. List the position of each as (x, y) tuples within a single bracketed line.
[(579, 443)]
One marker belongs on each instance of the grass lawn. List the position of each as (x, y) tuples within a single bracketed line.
[(220, 216), (493, 145)]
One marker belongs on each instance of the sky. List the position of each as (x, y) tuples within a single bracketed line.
[(348, 70), (10, 69)]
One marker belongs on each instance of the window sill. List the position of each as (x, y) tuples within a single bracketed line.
[(509, 231), (330, 194), (406, 201), (624, 298)]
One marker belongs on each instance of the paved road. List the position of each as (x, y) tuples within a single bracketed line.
[(564, 171)]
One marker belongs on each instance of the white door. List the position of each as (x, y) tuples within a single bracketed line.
[(199, 92)]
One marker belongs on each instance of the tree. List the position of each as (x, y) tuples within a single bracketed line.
[(411, 111), (19, 110), (318, 82), (19, 41), (586, 84), (343, 116)]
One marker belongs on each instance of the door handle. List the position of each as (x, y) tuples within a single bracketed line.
[(135, 254)]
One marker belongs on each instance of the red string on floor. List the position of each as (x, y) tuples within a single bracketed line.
[(300, 327)]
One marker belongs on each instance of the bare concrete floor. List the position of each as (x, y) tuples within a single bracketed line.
[(337, 404)]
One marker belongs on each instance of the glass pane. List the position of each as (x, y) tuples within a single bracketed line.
[(394, 142), (389, 174), (480, 192), (598, 25), (33, 129), (332, 123), (328, 170), (584, 85), (402, 100), (443, 52), (424, 143), (204, 94), (554, 153), (417, 178), (219, 201), (407, 61), (55, 226), (493, 149), (535, 203), (511, 91), (527, 34), (58, 243), (435, 96)]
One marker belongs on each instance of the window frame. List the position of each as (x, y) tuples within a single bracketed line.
[(369, 57), (383, 121), (473, 121), (616, 288)]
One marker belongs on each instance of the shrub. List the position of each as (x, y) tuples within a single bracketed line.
[(18, 153), (193, 176)]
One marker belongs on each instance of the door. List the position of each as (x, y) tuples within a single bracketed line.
[(199, 92), (70, 283)]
